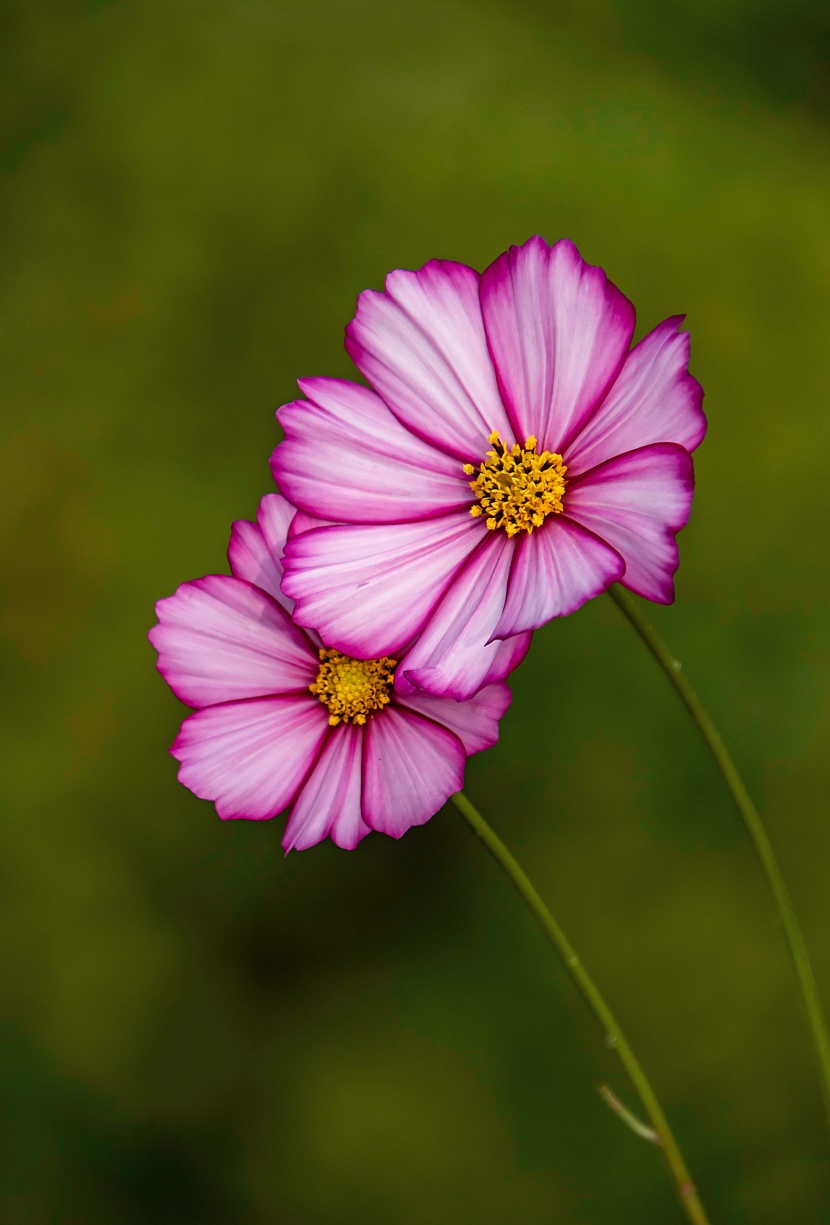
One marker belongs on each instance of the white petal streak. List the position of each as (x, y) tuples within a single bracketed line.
[(454, 654), (421, 345), (655, 399), (368, 590), (256, 549), (475, 722), (347, 458), (555, 570), (304, 523), (329, 803), (251, 758), (637, 503), (411, 767), (220, 639), (558, 331), (508, 655)]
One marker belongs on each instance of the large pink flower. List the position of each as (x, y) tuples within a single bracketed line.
[(513, 460), (281, 721)]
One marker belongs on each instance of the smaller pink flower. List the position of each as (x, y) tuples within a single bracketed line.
[(283, 722)]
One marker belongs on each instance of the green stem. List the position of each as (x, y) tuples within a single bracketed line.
[(798, 950), (590, 993)]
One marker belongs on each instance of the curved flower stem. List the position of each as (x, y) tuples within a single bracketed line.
[(590, 993), (798, 950)]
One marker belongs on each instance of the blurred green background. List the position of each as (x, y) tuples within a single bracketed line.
[(197, 1030)]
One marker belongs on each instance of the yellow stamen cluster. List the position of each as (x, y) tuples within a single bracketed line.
[(351, 689), (516, 488)]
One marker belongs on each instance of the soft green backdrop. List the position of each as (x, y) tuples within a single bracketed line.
[(196, 1030)]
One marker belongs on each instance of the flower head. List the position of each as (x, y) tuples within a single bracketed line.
[(282, 720), (513, 458)]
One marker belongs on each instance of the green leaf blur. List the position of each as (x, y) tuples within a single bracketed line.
[(196, 1030)]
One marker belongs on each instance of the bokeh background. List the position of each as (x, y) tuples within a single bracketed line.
[(195, 1029)]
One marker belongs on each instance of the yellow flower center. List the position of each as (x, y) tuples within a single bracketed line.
[(351, 689), (516, 488)]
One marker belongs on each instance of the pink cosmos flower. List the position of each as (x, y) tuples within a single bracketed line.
[(281, 721), (513, 459)]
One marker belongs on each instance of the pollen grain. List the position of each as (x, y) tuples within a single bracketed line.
[(516, 488), (352, 689)]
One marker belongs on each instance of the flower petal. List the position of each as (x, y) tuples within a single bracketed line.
[(509, 654), (475, 723), (421, 344), (304, 523), (256, 549), (555, 570), (504, 654), (654, 399), (637, 503), (451, 657), (411, 767), (250, 758), (369, 589), (220, 639), (558, 331), (347, 458), (329, 803)]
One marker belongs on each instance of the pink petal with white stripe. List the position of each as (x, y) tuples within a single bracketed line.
[(637, 503), (367, 589), (329, 803), (475, 723), (303, 522), (347, 458), (555, 570), (220, 639), (654, 399), (411, 767), (251, 758), (421, 345), (509, 654), (451, 656), (256, 549), (558, 332), (505, 654)]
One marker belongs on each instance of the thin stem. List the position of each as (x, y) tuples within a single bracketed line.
[(590, 993), (795, 940), (628, 1116)]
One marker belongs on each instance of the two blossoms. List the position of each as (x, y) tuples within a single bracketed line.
[(512, 457)]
